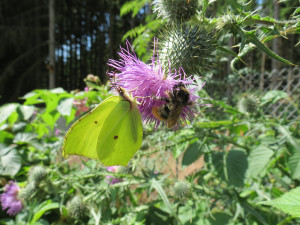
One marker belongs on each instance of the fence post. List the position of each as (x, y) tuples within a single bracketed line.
[(51, 66)]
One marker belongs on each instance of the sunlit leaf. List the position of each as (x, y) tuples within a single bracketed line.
[(6, 111), (10, 163), (288, 203), (258, 160), (65, 106)]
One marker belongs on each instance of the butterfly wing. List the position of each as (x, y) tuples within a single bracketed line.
[(81, 139), (121, 135)]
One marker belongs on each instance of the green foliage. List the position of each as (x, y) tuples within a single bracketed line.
[(236, 18), (240, 159), (289, 202)]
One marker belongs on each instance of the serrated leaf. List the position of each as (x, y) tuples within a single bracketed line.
[(294, 165), (236, 165), (248, 48), (134, 32), (253, 39), (10, 163), (294, 142), (288, 203), (258, 160), (65, 106)]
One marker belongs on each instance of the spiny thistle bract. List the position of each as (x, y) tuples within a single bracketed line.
[(176, 10), (189, 47), (29, 192), (248, 104), (77, 209), (181, 189), (37, 174)]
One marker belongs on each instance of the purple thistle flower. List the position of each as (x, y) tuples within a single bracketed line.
[(151, 83), (9, 199), (111, 179)]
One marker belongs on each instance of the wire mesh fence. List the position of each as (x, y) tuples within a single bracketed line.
[(287, 80)]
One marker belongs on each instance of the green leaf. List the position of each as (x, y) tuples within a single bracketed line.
[(27, 111), (58, 90), (253, 39), (192, 153), (239, 128), (65, 106), (294, 165), (288, 203), (13, 118), (50, 118), (10, 163), (162, 194), (24, 138), (6, 111), (134, 32), (5, 149), (258, 160), (178, 149), (6, 137), (32, 98), (214, 124), (248, 48), (42, 208), (71, 117), (294, 142), (51, 101), (235, 5), (236, 165), (134, 6), (273, 96), (219, 218)]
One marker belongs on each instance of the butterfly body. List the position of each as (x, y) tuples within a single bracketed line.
[(177, 99)]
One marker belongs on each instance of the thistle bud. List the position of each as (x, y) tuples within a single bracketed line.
[(37, 174), (181, 189), (176, 10), (248, 104), (189, 47), (28, 192), (77, 209)]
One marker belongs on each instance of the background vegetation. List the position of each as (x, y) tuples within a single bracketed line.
[(225, 168)]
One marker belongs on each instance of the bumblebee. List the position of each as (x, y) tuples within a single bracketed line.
[(178, 98)]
